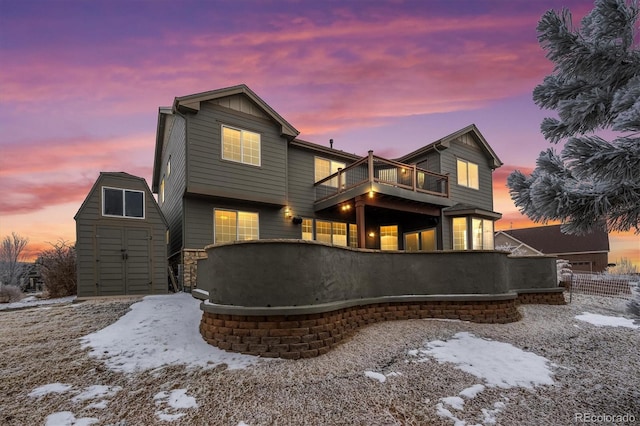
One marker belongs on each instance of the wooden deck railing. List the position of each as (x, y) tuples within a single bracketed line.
[(376, 169)]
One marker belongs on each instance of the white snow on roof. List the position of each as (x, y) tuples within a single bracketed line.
[(606, 321), (160, 331)]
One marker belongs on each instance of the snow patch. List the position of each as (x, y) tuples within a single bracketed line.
[(96, 391), (472, 391), (176, 400), (67, 418), (160, 331), (499, 364), (50, 388), (32, 301), (454, 402), (606, 321)]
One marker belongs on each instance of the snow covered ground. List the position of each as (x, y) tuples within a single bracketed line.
[(33, 301), (154, 357)]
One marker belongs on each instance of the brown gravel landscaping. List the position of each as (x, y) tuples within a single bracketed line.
[(595, 370)]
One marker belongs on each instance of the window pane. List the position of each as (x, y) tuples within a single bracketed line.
[(247, 226), (353, 235), (224, 226), (411, 242), (231, 144), (134, 203), (322, 168), (389, 237), (462, 173), (473, 175), (459, 233), (428, 240), (112, 202), (251, 148), (323, 231), (340, 234), (487, 229), (307, 229), (476, 226)]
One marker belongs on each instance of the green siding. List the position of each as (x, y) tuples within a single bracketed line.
[(209, 174), (145, 271), (174, 183)]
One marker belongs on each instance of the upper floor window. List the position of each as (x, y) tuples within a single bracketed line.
[(230, 225), (122, 202), (242, 146), (324, 168), (468, 174)]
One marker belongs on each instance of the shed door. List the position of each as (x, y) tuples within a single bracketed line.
[(123, 260)]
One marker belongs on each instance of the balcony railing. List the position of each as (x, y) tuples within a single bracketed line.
[(374, 169)]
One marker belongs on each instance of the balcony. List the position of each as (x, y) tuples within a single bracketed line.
[(377, 174)]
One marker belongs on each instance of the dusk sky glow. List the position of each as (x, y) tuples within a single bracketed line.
[(81, 83)]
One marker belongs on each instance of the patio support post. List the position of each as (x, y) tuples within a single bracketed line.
[(362, 232)]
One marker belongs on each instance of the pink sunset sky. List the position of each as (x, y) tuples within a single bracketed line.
[(81, 83)]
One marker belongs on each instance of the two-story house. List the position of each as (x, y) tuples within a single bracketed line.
[(228, 167)]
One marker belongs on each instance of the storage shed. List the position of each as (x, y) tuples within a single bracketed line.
[(120, 239)]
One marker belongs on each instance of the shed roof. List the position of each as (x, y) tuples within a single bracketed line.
[(124, 175), (550, 240)]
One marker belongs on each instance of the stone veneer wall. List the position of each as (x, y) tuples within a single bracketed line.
[(310, 335), (190, 259)]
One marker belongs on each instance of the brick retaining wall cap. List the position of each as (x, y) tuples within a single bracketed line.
[(207, 306)]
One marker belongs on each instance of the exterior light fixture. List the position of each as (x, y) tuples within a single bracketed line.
[(287, 212), (372, 234), (371, 194)]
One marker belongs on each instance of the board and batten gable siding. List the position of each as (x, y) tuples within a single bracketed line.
[(199, 216), (209, 174), (175, 183), (89, 220), (469, 151)]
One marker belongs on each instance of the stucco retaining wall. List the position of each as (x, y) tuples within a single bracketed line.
[(264, 284)]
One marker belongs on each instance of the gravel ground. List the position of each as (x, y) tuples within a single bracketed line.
[(596, 370)]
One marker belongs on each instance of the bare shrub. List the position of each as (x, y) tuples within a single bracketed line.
[(11, 256), (58, 269), (10, 293)]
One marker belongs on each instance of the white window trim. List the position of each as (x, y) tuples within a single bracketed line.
[(236, 212), (124, 206), (467, 185), (242, 131), (333, 183)]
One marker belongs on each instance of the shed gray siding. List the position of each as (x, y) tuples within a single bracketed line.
[(174, 146), (209, 174), (144, 240)]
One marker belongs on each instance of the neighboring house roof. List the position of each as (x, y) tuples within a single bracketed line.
[(550, 240), (515, 243), (445, 141)]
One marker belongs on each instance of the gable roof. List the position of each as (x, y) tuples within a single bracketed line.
[(122, 175), (191, 103), (445, 142), (550, 240)]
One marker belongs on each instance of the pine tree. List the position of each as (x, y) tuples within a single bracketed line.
[(594, 87)]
